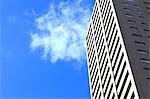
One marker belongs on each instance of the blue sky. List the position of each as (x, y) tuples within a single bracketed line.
[(42, 54)]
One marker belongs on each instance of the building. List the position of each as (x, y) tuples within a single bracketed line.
[(118, 49)]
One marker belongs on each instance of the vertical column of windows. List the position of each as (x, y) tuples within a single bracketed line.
[(107, 80), (93, 70)]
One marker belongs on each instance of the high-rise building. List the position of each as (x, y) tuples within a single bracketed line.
[(118, 49)]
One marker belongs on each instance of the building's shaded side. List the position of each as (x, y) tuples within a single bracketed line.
[(134, 21)]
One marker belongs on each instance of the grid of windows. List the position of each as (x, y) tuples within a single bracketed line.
[(109, 67), (114, 45)]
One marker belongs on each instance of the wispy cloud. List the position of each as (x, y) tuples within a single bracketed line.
[(30, 12), (12, 19), (61, 31)]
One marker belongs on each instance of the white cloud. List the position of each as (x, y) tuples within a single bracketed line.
[(61, 31)]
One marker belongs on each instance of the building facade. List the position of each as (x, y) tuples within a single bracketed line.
[(118, 49)]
